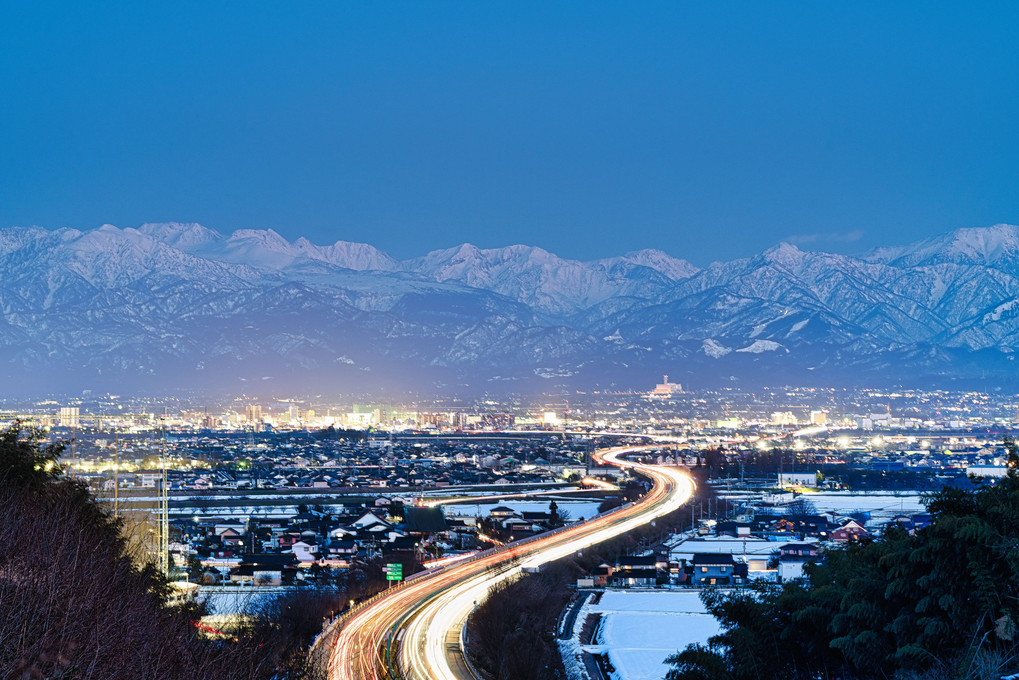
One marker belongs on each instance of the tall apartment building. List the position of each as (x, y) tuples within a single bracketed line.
[(69, 416)]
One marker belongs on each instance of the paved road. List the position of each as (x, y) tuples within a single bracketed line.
[(413, 631), (568, 621)]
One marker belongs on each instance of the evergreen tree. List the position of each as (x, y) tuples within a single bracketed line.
[(943, 600)]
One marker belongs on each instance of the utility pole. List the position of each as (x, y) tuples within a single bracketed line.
[(74, 459), (116, 474), (164, 520)]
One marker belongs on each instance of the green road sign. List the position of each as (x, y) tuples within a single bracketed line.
[(394, 571)]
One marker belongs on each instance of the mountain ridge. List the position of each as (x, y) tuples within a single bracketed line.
[(176, 304)]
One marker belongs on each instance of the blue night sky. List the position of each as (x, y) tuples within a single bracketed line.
[(709, 130)]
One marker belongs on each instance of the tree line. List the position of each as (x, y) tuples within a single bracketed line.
[(941, 602)]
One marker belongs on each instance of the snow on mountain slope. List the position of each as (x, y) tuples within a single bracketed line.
[(105, 258), (357, 256), (758, 346), (549, 283), (183, 304), (187, 236), (886, 302), (656, 260), (714, 349), (996, 246), (265, 248), (531, 275)]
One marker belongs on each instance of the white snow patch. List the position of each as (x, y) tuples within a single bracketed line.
[(758, 329), (571, 650), (553, 372), (684, 602), (642, 629), (615, 337), (575, 509), (799, 325), (1000, 310), (714, 349), (760, 346), (878, 504)]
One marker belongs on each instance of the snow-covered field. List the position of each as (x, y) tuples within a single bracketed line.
[(575, 509), (640, 629), (226, 600), (875, 503)]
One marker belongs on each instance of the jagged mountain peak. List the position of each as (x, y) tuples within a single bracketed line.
[(108, 239), (462, 252), (267, 246), (266, 249), (784, 253), (183, 235), (543, 280), (468, 252), (349, 255), (269, 237), (163, 298), (469, 263), (14, 238), (658, 260), (996, 245)]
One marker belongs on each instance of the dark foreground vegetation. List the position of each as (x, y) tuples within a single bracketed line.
[(512, 634), (74, 604), (942, 603)]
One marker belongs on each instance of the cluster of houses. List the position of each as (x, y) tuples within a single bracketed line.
[(299, 460), (289, 549), (730, 553), (506, 524), (312, 544)]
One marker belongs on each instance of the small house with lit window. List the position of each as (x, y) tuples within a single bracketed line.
[(715, 569)]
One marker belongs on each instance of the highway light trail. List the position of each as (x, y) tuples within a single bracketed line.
[(416, 627)]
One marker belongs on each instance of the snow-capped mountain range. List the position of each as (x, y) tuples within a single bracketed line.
[(167, 306)]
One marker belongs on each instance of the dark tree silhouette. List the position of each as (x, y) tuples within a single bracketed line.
[(941, 602), (74, 605)]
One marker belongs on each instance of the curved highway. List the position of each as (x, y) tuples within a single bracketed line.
[(417, 626)]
